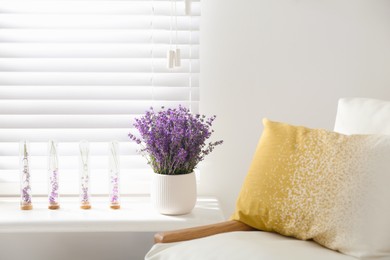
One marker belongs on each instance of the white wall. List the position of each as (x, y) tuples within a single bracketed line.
[(289, 60)]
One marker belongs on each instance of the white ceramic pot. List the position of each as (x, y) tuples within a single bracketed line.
[(173, 194)]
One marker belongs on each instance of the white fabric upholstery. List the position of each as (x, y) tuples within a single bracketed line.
[(363, 116), (250, 245)]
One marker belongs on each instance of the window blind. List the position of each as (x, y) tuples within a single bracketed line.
[(73, 70)]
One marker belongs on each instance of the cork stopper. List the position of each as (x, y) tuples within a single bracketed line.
[(115, 206), (26, 207), (54, 206), (85, 206)]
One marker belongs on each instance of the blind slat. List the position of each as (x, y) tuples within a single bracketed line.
[(67, 121), (71, 162), (100, 22), (69, 176), (95, 65), (67, 148), (97, 79), (98, 7), (96, 36), (137, 181), (96, 93), (77, 107), (92, 50), (64, 135)]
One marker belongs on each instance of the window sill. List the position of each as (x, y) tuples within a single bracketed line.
[(136, 215)]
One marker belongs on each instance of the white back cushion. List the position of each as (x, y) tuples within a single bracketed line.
[(363, 116)]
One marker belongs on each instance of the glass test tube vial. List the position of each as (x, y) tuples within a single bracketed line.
[(114, 172), (53, 176), (25, 186), (84, 175)]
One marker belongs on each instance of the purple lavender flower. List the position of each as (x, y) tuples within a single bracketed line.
[(53, 195), (26, 189), (114, 196), (84, 196), (174, 140), (26, 195)]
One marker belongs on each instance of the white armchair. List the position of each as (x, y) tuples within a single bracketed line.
[(231, 239)]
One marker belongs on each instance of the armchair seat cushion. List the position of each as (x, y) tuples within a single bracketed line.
[(256, 245)]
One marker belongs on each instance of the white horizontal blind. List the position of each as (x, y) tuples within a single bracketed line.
[(84, 69)]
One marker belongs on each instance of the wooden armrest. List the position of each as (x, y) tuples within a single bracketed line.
[(202, 231)]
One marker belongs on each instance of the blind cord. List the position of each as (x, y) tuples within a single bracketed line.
[(174, 57), (171, 52), (152, 55), (177, 50)]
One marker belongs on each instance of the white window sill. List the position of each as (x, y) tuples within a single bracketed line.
[(136, 215)]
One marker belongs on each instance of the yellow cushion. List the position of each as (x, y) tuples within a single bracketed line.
[(311, 184)]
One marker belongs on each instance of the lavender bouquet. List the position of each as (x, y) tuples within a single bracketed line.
[(174, 140)]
